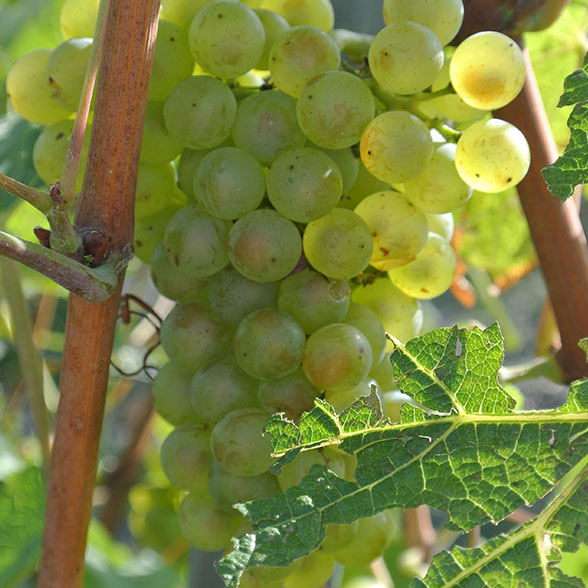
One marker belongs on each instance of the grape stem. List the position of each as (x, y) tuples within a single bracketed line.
[(448, 133), (36, 198)]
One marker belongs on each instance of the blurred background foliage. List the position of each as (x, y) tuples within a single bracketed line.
[(134, 538)]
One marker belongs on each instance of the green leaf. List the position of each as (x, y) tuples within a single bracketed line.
[(571, 168), (22, 506), (459, 448)]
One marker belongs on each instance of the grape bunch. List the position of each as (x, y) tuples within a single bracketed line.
[(294, 198)]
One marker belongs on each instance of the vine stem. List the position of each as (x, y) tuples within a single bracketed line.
[(36, 198), (106, 205)]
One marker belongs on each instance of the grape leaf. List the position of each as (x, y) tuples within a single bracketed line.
[(571, 168), (460, 448)]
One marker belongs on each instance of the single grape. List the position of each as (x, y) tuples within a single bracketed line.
[(347, 163), (367, 321), (313, 300), (443, 17), (492, 156), (273, 25), (304, 184), (300, 54), (158, 146), (393, 401), (181, 12), (442, 224), (294, 471), (186, 168), (400, 314), (186, 458), (196, 243), (266, 576), (264, 246), (487, 70), (383, 373), (269, 344), (293, 394), (149, 231), (431, 273), (239, 444), (66, 70), (337, 356), (171, 394), (266, 125), (172, 60), (439, 188), (364, 185), (398, 228), (338, 245), (156, 186), (199, 112), (338, 536), (28, 89), (342, 399), (403, 71), (205, 525), (314, 571), (396, 146), (334, 108), (317, 13), (228, 183), (78, 19), (193, 337), (220, 388)]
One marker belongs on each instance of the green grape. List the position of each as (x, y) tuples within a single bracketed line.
[(492, 156), (313, 300), (442, 224), (193, 337), (293, 394), (396, 146), (400, 314), (342, 399), (383, 373), (199, 112), (172, 60), (316, 13), (232, 296), (487, 70), (334, 108), (78, 18), (186, 458), (267, 577), (149, 232), (156, 186), (439, 188), (196, 243), (443, 17), (367, 321), (50, 150), (157, 146), (403, 71), (205, 525), (228, 183), (226, 39), (398, 228), (266, 125), (294, 471), (364, 185), (338, 245), (28, 89), (338, 536), (347, 163), (182, 12), (264, 246), (221, 387), (239, 444), (172, 283), (269, 344), (228, 489), (314, 571), (371, 538), (273, 25), (186, 168), (393, 401), (171, 394), (304, 184), (431, 273), (337, 356), (363, 582), (66, 70), (300, 54)]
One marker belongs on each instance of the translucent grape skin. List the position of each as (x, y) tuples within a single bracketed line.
[(398, 70), (227, 39), (269, 344), (304, 184), (396, 146), (273, 25), (181, 12), (334, 108), (239, 444), (487, 70), (156, 186), (347, 163), (149, 232), (442, 224), (315, 570), (78, 19), (492, 156), (337, 356), (317, 13), (264, 246), (158, 146), (368, 322)]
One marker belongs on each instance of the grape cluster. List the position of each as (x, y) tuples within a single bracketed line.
[(297, 204)]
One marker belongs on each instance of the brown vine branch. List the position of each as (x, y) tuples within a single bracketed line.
[(106, 206)]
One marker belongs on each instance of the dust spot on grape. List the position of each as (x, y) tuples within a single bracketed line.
[(139, 243), (273, 260), (219, 15), (58, 136), (291, 167), (172, 39), (177, 259), (425, 290), (508, 180), (385, 251), (477, 175)]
